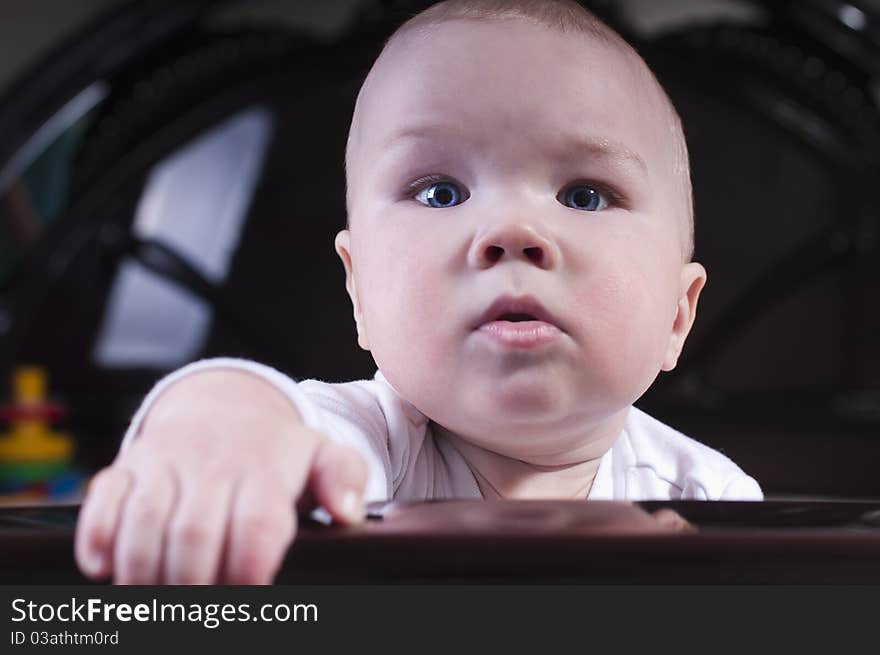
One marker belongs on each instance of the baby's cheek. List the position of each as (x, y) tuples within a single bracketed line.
[(620, 323), (409, 320)]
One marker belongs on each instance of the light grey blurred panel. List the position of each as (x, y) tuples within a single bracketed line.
[(64, 119), (149, 322), (652, 17), (196, 200)]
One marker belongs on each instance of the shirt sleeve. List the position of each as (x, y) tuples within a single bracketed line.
[(352, 424)]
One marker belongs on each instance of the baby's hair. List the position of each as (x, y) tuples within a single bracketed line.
[(565, 16), (561, 15)]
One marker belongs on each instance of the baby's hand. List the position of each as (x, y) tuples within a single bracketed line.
[(207, 493)]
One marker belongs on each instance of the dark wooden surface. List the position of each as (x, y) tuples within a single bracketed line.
[(532, 541)]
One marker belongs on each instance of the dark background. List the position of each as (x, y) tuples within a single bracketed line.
[(780, 106)]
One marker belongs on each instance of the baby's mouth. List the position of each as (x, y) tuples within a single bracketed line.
[(516, 309), (518, 322), (516, 317)]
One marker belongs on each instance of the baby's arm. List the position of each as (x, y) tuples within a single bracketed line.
[(207, 490)]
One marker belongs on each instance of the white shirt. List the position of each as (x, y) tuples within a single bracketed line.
[(648, 461)]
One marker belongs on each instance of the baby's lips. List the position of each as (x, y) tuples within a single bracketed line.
[(507, 304)]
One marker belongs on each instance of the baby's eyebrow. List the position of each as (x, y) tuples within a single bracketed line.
[(416, 132), (601, 148), (567, 145)]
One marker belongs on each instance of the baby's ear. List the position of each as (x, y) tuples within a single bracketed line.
[(693, 279), (343, 249)]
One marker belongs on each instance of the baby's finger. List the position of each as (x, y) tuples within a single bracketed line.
[(194, 540), (306, 501), (673, 520), (98, 520), (338, 479), (261, 528), (140, 539)]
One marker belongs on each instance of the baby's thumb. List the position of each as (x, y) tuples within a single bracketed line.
[(338, 479)]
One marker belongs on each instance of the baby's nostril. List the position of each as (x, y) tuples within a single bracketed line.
[(494, 253), (535, 254)]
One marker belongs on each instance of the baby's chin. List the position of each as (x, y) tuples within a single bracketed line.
[(540, 439), (516, 405)]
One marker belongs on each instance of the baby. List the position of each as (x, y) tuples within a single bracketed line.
[(518, 257)]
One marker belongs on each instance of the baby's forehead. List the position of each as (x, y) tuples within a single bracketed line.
[(497, 61), (495, 42)]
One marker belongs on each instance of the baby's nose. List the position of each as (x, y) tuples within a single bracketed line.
[(513, 242)]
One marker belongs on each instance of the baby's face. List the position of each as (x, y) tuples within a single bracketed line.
[(515, 251)]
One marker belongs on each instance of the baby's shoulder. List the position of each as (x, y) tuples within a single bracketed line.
[(372, 400), (356, 396), (696, 470), (371, 416)]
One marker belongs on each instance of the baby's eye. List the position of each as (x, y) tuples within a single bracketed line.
[(441, 195), (584, 197)]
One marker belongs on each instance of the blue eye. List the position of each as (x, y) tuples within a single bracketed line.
[(584, 197), (441, 195)]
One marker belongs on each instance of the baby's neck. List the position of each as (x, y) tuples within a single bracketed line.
[(569, 475)]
